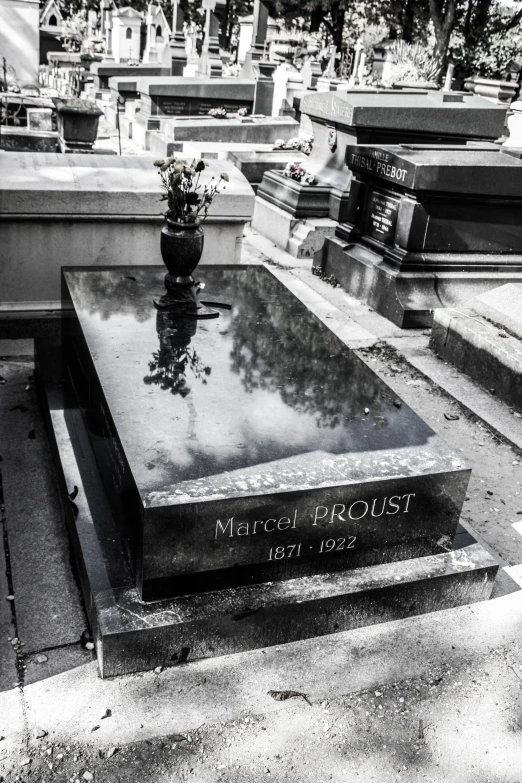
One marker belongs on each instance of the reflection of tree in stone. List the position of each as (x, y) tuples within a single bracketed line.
[(279, 347), (170, 364), (110, 294)]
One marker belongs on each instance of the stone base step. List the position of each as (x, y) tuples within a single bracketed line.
[(481, 349)]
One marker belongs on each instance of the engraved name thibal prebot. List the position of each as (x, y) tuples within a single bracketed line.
[(322, 516)]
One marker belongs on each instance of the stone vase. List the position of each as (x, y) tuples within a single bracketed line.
[(181, 247)]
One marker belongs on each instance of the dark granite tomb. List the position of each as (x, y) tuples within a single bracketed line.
[(191, 97), (238, 450), (427, 227), (253, 463), (368, 116)]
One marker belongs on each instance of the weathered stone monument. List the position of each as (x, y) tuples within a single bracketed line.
[(210, 64), (125, 35), (19, 40), (364, 117), (177, 45), (63, 204), (169, 97), (427, 227), (257, 48), (204, 528), (158, 35)]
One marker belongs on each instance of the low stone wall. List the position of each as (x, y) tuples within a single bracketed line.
[(82, 210)]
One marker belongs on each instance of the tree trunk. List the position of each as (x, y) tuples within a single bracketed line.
[(443, 15), (407, 21)]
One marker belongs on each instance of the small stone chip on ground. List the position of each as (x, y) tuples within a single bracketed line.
[(41, 658), (88, 775), (111, 752), (25, 762)]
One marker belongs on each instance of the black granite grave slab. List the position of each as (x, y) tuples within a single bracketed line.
[(427, 227), (131, 635), (251, 448)]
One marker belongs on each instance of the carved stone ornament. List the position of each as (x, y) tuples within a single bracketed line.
[(332, 139)]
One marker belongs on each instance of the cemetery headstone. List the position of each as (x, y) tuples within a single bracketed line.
[(426, 227), (337, 510), (362, 117), (257, 48), (177, 48)]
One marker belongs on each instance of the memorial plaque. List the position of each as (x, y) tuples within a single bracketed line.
[(250, 448), (195, 107), (382, 217)]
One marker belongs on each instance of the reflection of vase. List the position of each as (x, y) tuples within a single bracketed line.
[(181, 248), (169, 366)]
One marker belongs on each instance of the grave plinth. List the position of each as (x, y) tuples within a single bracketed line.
[(242, 481), (164, 98), (230, 131), (427, 227), (103, 71), (377, 117), (366, 117)]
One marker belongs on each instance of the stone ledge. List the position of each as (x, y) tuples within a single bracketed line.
[(474, 346)]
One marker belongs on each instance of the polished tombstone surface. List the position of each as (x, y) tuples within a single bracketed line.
[(249, 448), (427, 227), (176, 96), (261, 419), (374, 117)]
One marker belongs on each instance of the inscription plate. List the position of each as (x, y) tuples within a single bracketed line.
[(241, 449), (195, 107), (382, 217)]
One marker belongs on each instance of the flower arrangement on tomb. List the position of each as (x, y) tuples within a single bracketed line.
[(243, 112), (218, 114), (298, 173), (300, 143), (188, 200)]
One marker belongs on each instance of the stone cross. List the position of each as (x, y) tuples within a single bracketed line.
[(210, 62), (359, 51)]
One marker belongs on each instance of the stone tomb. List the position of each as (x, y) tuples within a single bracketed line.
[(365, 117), (427, 227), (181, 96), (210, 133), (103, 71), (376, 117), (261, 482), (95, 209), (192, 97)]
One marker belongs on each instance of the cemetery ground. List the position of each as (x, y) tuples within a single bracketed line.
[(436, 697)]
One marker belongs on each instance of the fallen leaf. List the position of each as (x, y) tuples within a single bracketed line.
[(177, 738), (284, 695), (111, 752), (106, 714), (451, 416)]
